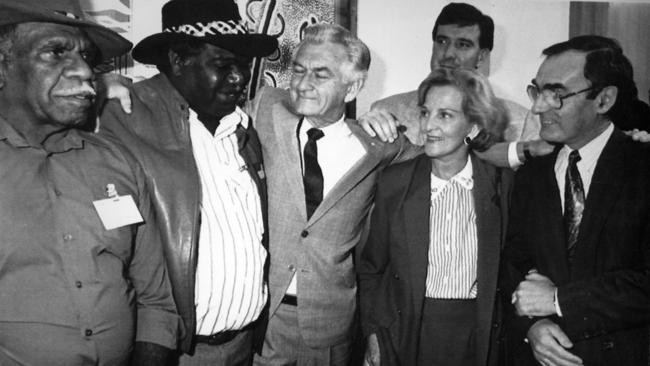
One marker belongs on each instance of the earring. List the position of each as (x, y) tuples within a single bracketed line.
[(467, 140)]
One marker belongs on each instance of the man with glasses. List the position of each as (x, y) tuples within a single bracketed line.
[(576, 263)]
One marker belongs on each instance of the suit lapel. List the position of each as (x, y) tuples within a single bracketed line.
[(606, 185), (417, 202), (354, 175), (488, 230), (549, 212), (289, 152)]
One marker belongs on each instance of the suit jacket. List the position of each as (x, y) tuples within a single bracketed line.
[(319, 250), (157, 133), (393, 266), (604, 293)]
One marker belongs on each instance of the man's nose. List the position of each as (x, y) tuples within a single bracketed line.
[(236, 75), (77, 66), (540, 105)]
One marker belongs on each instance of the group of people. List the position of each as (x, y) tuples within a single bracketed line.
[(187, 226)]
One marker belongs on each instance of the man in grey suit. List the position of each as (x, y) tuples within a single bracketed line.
[(312, 234)]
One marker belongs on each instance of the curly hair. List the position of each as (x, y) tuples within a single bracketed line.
[(479, 104)]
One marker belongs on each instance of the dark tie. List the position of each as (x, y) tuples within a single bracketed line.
[(574, 201), (313, 177)]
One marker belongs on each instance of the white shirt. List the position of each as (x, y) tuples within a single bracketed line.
[(589, 155), (338, 151), (453, 245), (230, 291)]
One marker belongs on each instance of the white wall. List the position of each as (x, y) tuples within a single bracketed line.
[(398, 33)]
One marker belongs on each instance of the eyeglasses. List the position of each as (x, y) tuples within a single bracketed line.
[(552, 97)]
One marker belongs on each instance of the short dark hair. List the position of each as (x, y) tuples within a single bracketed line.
[(605, 65), (479, 103), (465, 15)]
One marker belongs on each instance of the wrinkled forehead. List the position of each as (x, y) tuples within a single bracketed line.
[(565, 69), (34, 33)]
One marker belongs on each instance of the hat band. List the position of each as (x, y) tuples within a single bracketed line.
[(212, 28)]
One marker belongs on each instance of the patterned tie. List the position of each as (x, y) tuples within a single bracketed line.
[(313, 177), (574, 201)]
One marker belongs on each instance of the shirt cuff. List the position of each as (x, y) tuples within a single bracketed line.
[(513, 157), (557, 304), (158, 326)]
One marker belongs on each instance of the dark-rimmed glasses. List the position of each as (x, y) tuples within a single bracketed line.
[(552, 97)]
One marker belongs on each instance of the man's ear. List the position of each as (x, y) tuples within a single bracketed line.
[(605, 100), (353, 89), (176, 62), (483, 54)]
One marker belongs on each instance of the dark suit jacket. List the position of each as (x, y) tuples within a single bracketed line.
[(393, 266), (604, 294)]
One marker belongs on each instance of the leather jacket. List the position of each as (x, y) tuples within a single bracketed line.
[(157, 134)]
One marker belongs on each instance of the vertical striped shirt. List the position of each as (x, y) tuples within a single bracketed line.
[(451, 273), (230, 291)]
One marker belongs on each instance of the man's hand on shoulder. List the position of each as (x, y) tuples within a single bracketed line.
[(638, 135), (380, 123), (549, 344), (113, 86)]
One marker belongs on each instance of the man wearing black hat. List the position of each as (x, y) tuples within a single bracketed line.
[(203, 162), (82, 273)]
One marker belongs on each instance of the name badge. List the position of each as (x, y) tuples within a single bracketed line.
[(117, 211)]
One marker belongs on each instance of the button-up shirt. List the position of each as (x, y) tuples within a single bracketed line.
[(453, 241), (61, 272), (230, 290)]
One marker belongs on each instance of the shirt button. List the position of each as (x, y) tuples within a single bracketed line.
[(88, 332), (57, 192), (304, 233), (67, 237), (447, 248), (291, 267), (78, 284), (448, 217)]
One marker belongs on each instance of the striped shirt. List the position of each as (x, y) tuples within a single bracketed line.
[(451, 273), (230, 290)]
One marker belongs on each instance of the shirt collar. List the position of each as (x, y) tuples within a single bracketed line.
[(463, 178), (336, 129), (589, 153), (228, 123), (56, 143)]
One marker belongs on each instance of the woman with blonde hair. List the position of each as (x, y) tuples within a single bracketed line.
[(428, 272)]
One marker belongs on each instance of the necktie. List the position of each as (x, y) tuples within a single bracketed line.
[(574, 201), (313, 177)]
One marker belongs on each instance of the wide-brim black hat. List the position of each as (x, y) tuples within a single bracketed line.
[(215, 22), (68, 12)]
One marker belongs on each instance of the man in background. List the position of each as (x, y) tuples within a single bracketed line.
[(82, 274), (462, 37)]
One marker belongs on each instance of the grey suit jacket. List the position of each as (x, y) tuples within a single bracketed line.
[(319, 250)]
